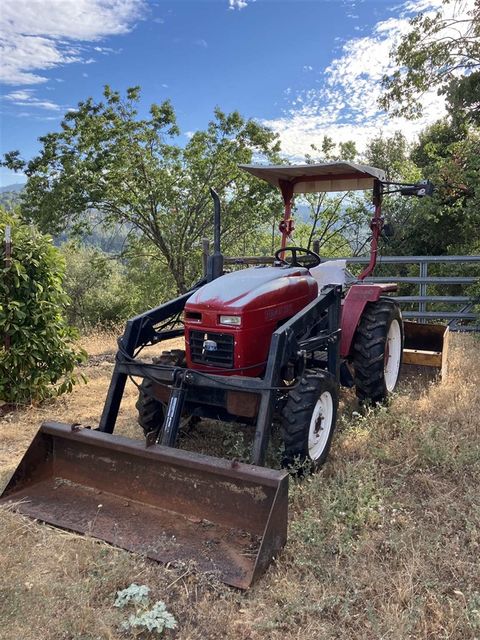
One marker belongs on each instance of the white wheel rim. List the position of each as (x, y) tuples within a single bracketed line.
[(393, 355), (320, 425)]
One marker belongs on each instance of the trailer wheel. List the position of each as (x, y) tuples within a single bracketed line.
[(377, 351), (308, 419), (151, 412)]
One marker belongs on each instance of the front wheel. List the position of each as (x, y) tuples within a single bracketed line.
[(151, 412), (308, 419), (377, 351)]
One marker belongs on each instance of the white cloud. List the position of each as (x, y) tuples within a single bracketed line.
[(19, 95), (43, 34), (106, 50), (26, 98), (345, 105), (201, 43), (237, 4)]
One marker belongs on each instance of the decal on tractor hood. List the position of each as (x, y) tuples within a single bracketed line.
[(279, 312)]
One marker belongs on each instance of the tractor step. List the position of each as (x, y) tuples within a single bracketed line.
[(170, 505)]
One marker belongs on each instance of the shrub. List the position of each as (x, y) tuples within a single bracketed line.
[(97, 286), (106, 291), (40, 359)]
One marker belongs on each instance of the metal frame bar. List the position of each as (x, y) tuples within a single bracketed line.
[(405, 259), (426, 280), (7, 265), (445, 299), (423, 314), (432, 315)]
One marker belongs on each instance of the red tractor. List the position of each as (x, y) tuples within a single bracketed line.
[(278, 340), (263, 345)]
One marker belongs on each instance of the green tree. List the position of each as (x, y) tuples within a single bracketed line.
[(440, 50), (132, 171), (38, 354), (449, 221), (337, 221), (392, 154), (331, 151)]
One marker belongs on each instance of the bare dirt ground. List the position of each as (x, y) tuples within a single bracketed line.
[(383, 543)]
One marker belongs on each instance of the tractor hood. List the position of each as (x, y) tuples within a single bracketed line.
[(253, 288), (259, 300)]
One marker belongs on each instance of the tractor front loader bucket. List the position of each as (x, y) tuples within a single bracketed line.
[(170, 505), (426, 345)]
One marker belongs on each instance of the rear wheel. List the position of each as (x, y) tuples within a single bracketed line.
[(151, 412), (377, 351), (309, 418)]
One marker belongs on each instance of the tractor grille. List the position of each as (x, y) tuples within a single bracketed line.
[(222, 356)]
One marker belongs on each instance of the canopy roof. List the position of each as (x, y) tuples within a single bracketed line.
[(314, 178)]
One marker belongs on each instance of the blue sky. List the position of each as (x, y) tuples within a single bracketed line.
[(304, 67)]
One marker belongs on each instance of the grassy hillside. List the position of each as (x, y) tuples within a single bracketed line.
[(383, 543)]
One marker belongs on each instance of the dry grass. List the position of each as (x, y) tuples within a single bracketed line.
[(383, 543)]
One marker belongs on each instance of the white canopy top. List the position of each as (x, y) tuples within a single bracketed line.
[(314, 178)]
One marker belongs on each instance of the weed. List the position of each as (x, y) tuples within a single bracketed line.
[(338, 511), (473, 610), (234, 443), (146, 618), (134, 594)]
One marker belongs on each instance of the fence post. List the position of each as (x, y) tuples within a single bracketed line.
[(205, 254), (8, 262), (316, 246), (422, 306)]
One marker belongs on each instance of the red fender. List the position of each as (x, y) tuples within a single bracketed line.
[(352, 309)]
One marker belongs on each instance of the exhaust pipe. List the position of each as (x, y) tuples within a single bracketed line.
[(215, 261)]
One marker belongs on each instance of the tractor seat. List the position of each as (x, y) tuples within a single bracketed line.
[(331, 272)]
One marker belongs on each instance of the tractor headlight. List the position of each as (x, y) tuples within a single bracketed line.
[(235, 321)]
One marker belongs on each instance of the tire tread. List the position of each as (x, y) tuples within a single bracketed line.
[(297, 412), (369, 349)]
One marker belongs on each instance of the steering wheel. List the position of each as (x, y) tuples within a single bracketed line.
[(293, 262)]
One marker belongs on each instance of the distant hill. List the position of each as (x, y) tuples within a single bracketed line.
[(108, 240), (13, 188), (302, 213), (10, 195)]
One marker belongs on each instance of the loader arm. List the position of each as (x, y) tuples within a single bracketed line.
[(139, 332)]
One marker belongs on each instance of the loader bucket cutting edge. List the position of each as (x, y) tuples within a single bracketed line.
[(170, 505)]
